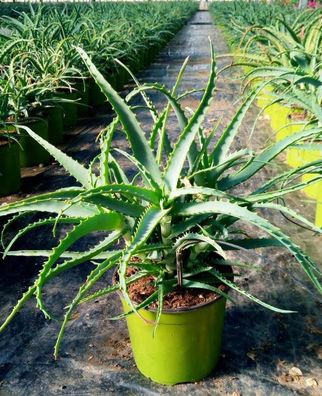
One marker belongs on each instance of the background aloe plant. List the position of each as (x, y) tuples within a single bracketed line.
[(280, 51), (185, 196), (108, 31), (37, 53)]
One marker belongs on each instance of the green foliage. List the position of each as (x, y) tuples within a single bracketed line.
[(37, 46), (175, 224), (281, 49), (244, 14)]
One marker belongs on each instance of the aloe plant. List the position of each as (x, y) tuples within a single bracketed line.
[(284, 50), (236, 17), (180, 206), (37, 53), (107, 31), (287, 49)]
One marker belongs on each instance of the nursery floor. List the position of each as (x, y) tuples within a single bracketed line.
[(263, 353)]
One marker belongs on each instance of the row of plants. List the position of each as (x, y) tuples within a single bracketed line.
[(243, 14), (284, 56), (181, 211), (44, 84)]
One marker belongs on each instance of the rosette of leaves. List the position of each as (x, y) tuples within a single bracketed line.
[(20, 92), (243, 15), (180, 204), (289, 58), (285, 49)]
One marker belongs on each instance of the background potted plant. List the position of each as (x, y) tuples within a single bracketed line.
[(9, 158), (21, 100), (177, 215)]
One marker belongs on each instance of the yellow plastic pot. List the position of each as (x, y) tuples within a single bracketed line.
[(186, 346), (318, 214), (295, 156), (288, 130), (279, 115), (265, 97), (315, 190)]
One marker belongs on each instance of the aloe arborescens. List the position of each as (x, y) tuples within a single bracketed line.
[(182, 197)]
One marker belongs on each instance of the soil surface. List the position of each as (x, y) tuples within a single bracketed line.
[(177, 299), (263, 353)]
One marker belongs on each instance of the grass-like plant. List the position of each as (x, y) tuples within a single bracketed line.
[(184, 202)]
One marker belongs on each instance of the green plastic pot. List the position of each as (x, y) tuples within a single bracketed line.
[(186, 345), (146, 57), (95, 95), (83, 93), (9, 168), (32, 153), (54, 116), (153, 53), (121, 78), (69, 108)]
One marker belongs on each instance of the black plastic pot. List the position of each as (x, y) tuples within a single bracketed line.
[(54, 116), (69, 108), (32, 153), (83, 93), (95, 95), (10, 179)]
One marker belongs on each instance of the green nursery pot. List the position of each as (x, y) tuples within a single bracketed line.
[(9, 168), (31, 152), (54, 116), (121, 78), (95, 95), (83, 93), (69, 108), (186, 345)]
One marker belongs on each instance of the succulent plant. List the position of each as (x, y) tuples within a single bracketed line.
[(182, 204)]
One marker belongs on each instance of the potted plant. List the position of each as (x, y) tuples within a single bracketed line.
[(9, 160), (287, 54), (21, 99), (53, 114), (53, 68), (177, 217)]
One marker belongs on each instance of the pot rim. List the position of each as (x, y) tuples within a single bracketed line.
[(8, 129), (183, 309), (29, 120)]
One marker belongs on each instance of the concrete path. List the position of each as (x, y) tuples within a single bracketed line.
[(260, 348)]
